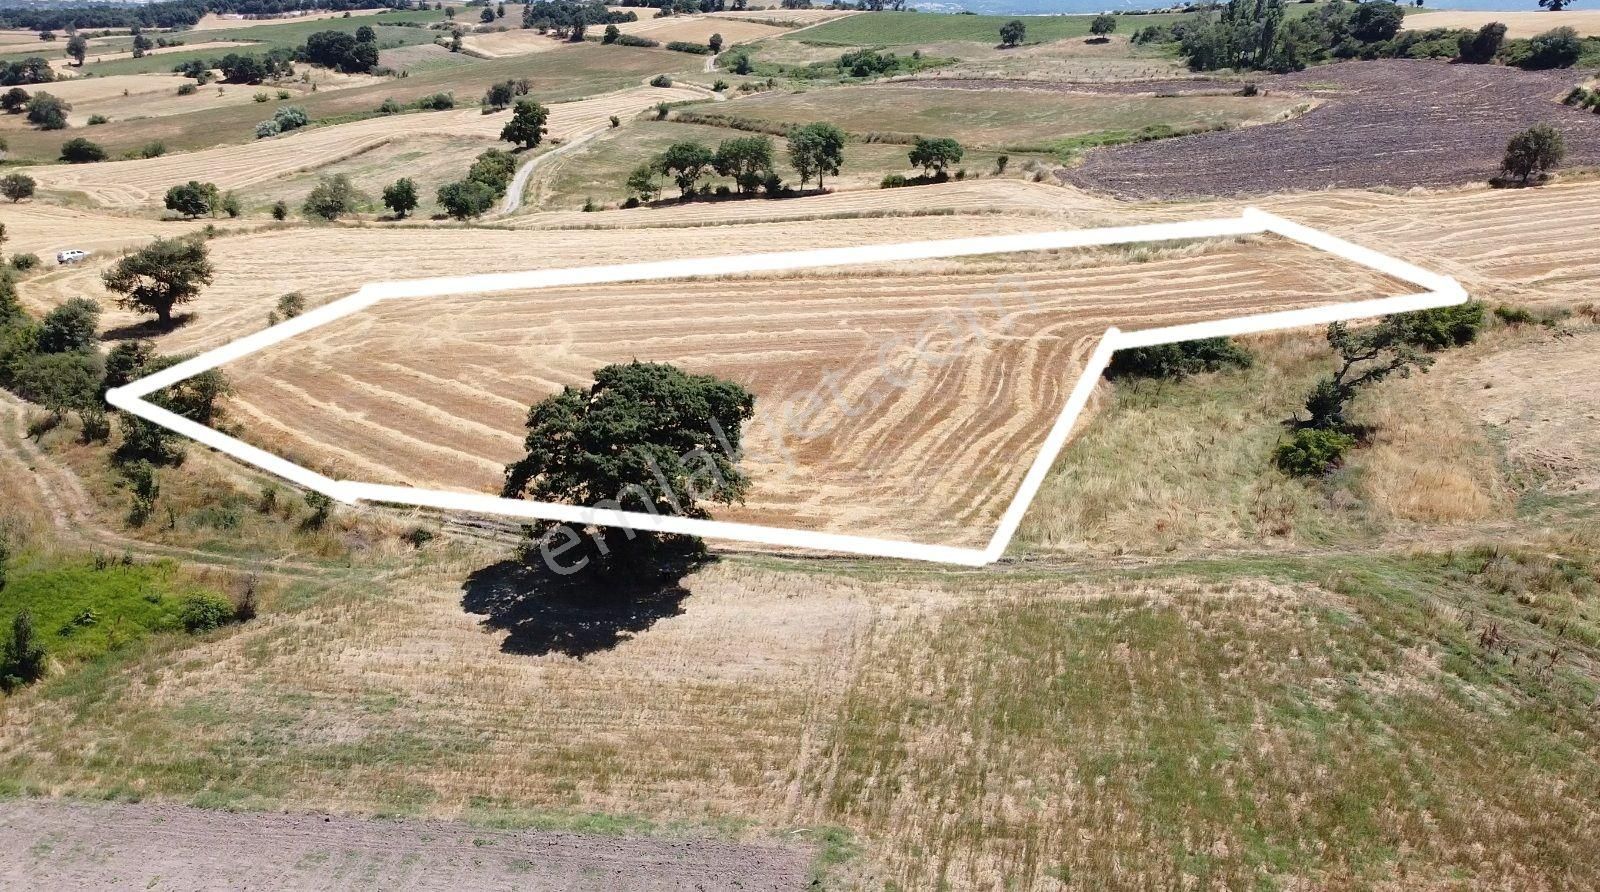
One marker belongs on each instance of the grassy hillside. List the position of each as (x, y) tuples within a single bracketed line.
[(904, 28)]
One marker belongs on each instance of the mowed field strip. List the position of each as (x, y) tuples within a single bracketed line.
[(132, 183), (856, 432)]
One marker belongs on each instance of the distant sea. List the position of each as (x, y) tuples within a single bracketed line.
[(1057, 7)]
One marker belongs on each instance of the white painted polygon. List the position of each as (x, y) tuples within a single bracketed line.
[(1439, 291)]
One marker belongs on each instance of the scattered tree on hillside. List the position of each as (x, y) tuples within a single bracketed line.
[(1012, 33), (401, 197), (527, 125), (160, 276), (645, 437), (333, 197), (466, 198), (747, 159), (1102, 25), (78, 48), (17, 186), (47, 112), (1480, 48), (1554, 5), (193, 199), (816, 150), (1533, 151), (935, 156), (611, 34), (642, 185), (715, 43), (81, 151), (686, 163), (14, 100)]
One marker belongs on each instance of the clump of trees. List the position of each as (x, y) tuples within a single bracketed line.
[(47, 112), (644, 437), (569, 19), (32, 70), (1395, 346), (285, 119), (1536, 150), (342, 50), (1178, 361), (486, 181), (194, 199), (81, 151), (936, 156), (816, 150), (505, 92)]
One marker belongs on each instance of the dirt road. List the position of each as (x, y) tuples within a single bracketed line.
[(51, 845)]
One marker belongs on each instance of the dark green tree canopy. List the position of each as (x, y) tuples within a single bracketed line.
[(159, 276), (816, 150), (935, 156), (645, 437), (527, 125)]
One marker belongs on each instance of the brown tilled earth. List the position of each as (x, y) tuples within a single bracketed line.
[(1398, 123), (855, 430), (61, 846)]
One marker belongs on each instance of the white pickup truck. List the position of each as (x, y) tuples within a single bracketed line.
[(72, 255)]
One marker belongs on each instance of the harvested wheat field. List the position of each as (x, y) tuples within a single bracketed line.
[(853, 433), (517, 42), (1398, 123), (698, 29), (1544, 399), (71, 65), (1518, 24), (43, 229), (216, 22), (126, 184), (122, 97)]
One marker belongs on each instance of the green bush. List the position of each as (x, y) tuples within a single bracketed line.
[(187, 89), (1312, 452), (204, 613), (892, 181), (1443, 327), (661, 80), (24, 262), (1178, 361), (685, 46)]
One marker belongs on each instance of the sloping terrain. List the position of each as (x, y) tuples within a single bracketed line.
[(1389, 123), (855, 431)]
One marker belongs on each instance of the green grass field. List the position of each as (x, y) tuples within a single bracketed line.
[(999, 118), (906, 28), (83, 609)]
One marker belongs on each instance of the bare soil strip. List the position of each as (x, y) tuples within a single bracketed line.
[(1397, 123), (52, 845)]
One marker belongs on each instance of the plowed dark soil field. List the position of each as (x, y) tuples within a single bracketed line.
[(1394, 123)]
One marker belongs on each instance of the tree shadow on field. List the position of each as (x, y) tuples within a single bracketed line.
[(587, 612), (146, 329)]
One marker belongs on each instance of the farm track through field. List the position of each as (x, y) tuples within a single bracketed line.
[(133, 183), (1396, 123)]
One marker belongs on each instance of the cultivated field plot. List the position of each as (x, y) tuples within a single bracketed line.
[(698, 29), (44, 229), (216, 22), (123, 184), (1518, 24), (1388, 123), (1003, 117), (124, 97), (856, 431), (164, 846), (804, 17)]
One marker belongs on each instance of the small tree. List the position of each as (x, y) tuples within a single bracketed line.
[(1535, 150), (70, 327), (14, 100), (401, 197), (78, 48), (642, 183), (686, 163), (644, 437), (22, 658), (81, 151), (747, 159), (816, 150), (611, 34), (1366, 356), (17, 186), (466, 198), (230, 204), (1012, 33), (193, 199), (715, 43), (935, 156), (1102, 25), (47, 112), (280, 210), (160, 276), (527, 125), (332, 198)]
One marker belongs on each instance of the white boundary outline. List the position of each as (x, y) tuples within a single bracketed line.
[(1438, 291)]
